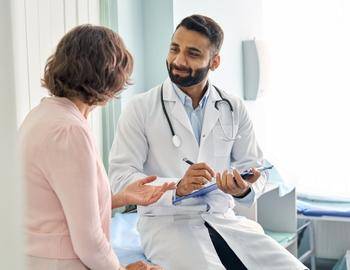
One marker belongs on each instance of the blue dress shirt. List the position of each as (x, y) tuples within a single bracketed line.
[(195, 115)]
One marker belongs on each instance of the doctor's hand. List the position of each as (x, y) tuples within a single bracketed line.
[(196, 176), (140, 193), (232, 182), (140, 265)]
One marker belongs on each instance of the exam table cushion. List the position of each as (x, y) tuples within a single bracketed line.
[(316, 208), (125, 238)]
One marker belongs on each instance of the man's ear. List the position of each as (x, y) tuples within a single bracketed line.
[(215, 62)]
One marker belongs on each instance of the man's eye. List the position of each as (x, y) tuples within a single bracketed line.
[(173, 49), (192, 54)]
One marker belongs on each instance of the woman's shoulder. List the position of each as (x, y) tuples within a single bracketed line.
[(49, 124)]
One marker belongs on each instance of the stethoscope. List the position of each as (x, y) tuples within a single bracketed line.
[(175, 138)]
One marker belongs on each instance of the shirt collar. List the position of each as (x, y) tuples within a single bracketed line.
[(185, 99)]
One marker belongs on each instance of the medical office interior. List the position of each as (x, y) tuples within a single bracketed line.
[(288, 60)]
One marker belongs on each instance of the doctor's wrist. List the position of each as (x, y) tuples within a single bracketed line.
[(179, 189), (243, 194)]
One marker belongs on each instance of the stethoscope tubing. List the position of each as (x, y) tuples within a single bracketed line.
[(176, 139)]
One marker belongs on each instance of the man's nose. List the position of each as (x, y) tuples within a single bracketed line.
[(180, 60)]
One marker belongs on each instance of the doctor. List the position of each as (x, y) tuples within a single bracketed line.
[(187, 116)]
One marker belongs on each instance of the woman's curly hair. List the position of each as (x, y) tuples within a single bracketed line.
[(90, 63)]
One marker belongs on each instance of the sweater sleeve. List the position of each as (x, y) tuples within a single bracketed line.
[(72, 172)]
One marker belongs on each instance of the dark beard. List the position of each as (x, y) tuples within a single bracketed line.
[(189, 80)]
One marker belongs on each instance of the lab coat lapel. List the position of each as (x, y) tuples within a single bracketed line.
[(177, 111), (211, 114)]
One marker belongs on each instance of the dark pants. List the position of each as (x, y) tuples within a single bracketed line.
[(227, 257)]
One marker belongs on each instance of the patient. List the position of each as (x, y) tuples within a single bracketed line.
[(68, 197)]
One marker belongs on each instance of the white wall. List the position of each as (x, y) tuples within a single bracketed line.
[(240, 20), (10, 190), (38, 25), (307, 106)]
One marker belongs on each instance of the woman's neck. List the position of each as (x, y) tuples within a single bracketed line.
[(84, 108)]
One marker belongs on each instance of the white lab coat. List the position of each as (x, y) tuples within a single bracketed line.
[(175, 236)]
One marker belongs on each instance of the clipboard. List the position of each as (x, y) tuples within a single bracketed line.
[(212, 187), (197, 193)]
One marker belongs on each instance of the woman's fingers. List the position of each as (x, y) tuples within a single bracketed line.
[(167, 186), (155, 197), (171, 185), (148, 179), (154, 193), (158, 191)]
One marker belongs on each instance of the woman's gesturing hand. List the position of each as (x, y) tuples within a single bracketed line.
[(140, 193)]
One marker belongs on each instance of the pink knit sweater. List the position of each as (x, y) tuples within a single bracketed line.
[(68, 198)]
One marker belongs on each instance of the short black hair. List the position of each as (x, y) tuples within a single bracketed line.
[(205, 26)]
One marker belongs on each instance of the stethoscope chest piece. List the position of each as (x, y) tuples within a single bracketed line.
[(176, 141)]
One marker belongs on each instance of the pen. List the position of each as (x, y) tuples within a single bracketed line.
[(189, 162), (245, 174)]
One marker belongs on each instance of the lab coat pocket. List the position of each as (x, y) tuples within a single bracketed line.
[(224, 137)]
